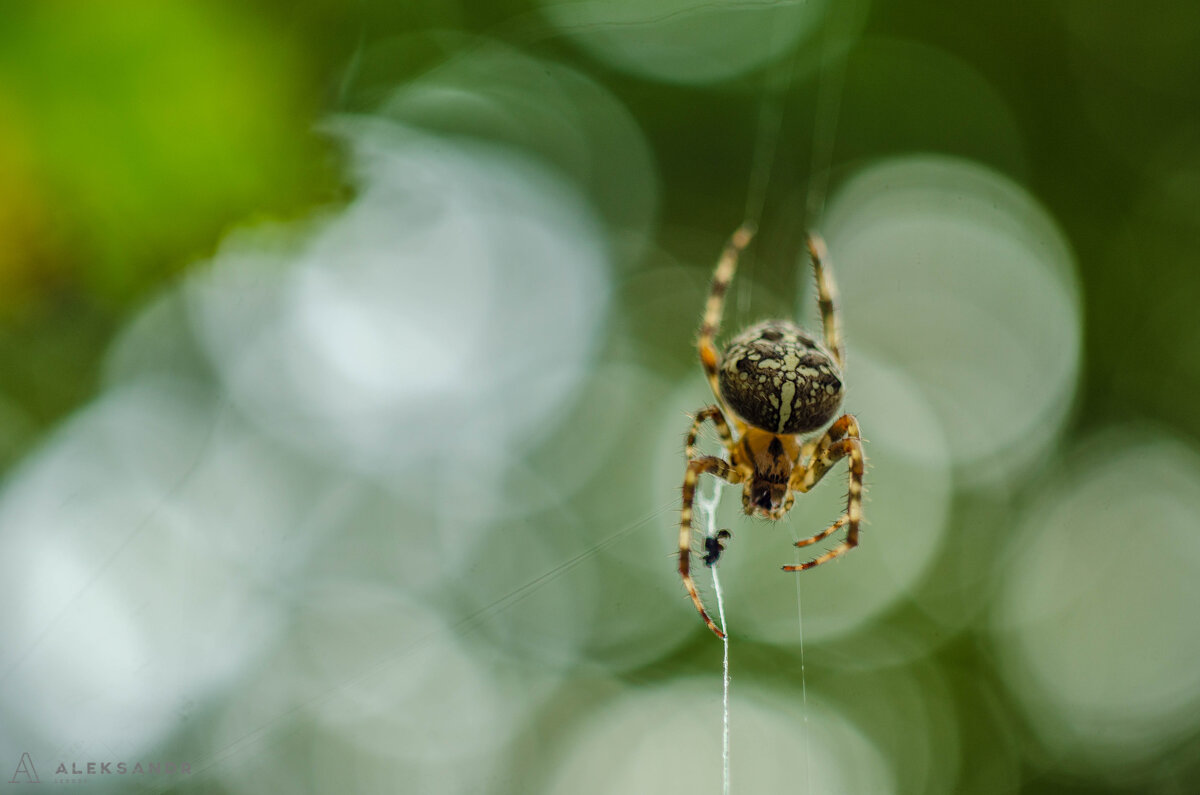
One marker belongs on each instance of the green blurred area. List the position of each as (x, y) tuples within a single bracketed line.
[(134, 135)]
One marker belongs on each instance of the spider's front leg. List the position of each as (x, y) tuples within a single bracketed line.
[(695, 468), (714, 308), (826, 298), (842, 440)]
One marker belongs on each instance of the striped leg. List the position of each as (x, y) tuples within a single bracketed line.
[(826, 298), (709, 413), (828, 531), (842, 440), (813, 453), (726, 267), (695, 468)]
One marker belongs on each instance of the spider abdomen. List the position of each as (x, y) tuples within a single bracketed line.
[(778, 378)]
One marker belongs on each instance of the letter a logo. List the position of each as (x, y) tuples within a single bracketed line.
[(25, 768)]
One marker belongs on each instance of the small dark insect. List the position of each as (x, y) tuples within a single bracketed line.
[(773, 383), (713, 547)]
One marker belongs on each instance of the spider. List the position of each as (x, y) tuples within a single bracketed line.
[(773, 383)]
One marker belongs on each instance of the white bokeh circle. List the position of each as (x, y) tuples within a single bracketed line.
[(374, 687), (685, 41), (953, 273), (1094, 623), (668, 739), (414, 325), (120, 541)]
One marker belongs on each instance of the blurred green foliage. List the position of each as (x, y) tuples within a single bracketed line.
[(132, 135)]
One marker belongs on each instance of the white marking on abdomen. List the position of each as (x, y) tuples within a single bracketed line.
[(786, 393)]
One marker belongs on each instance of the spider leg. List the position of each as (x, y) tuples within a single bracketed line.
[(828, 531), (713, 310), (826, 298), (696, 467), (842, 440), (715, 414), (844, 426)]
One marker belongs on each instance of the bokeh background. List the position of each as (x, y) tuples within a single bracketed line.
[(346, 353)]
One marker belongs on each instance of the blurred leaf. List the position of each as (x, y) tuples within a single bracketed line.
[(149, 127)]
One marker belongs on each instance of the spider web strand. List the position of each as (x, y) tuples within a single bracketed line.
[(708, 505)]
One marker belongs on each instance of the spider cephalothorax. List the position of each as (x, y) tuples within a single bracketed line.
[(774, 382)]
